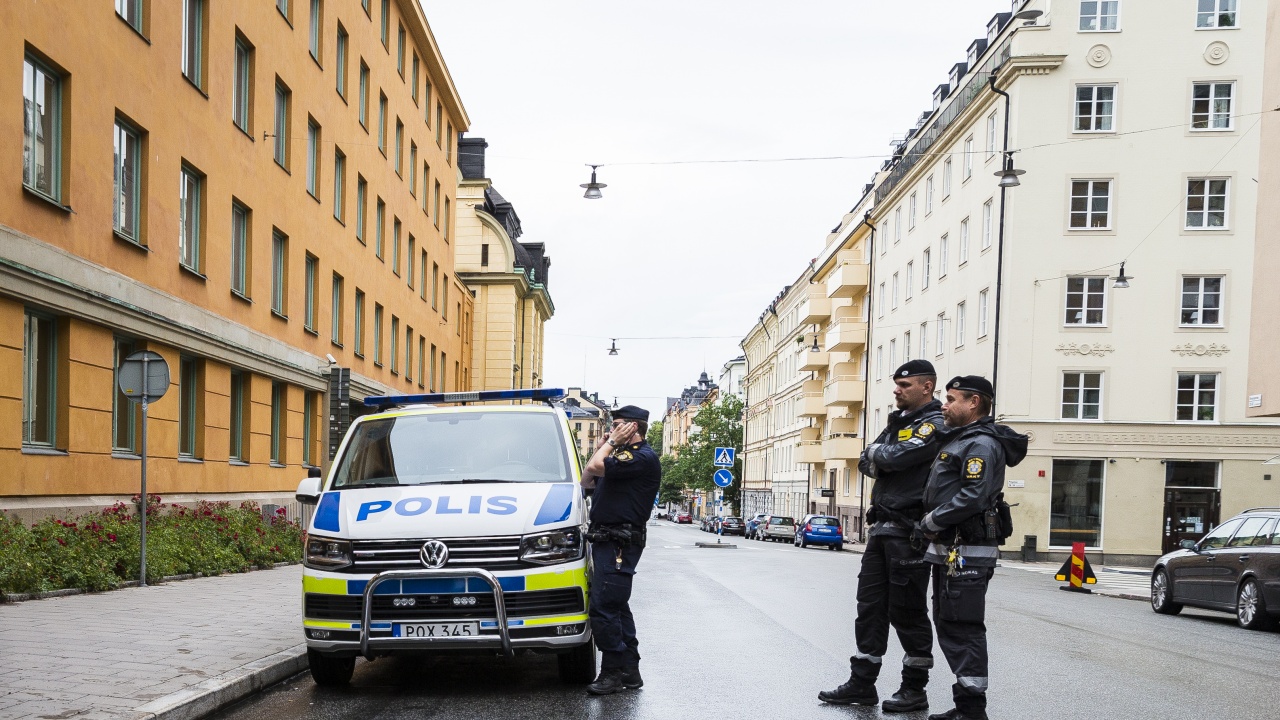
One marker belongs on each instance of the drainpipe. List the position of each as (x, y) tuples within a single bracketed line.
[(866, 385), (995, 352)]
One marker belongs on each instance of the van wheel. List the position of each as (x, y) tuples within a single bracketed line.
[(329, 671), (578, 666)]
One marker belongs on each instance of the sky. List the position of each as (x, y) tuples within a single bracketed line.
[(679, 259)]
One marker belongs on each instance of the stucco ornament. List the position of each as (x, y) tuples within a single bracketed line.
[(1217, 53), (1094, 349), (1193, 350), (1099, 56)]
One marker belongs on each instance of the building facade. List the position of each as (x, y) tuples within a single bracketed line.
[(589, 418), (1264, 332), (733, 376), (246, 188)]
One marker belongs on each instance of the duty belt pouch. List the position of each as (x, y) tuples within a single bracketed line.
[(973, 528), (873, 516)]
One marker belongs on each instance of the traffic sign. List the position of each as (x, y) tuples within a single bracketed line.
[(143, 374), (723, 478), (724, 456)]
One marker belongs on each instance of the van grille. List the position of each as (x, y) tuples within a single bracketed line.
[(501, 552), (561, 601)]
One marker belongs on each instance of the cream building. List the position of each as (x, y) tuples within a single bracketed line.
[(507, 278), (1137, 126), (588, 417), (1264, 336), (757, 473)]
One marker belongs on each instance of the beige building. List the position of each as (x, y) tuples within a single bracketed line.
[(1264, 334), (589, 419), (679, 427), (507, 278), (1135, 393), (244, 188)]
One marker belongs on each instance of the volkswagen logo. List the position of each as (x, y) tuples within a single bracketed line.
[(434, 554)]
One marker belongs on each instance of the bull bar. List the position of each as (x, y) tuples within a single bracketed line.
[(499, 602)]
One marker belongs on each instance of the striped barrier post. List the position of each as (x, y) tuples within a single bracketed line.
[(1077, 571)]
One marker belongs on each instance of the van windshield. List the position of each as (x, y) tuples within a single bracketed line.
[(454, 448)]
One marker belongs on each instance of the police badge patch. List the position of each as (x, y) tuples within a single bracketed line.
[(925, 430), (973, 468), (623, 456)]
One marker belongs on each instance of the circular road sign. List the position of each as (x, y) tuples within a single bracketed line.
[(723, 478), (130, 376)]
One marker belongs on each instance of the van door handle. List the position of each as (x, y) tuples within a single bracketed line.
[(1244, 558)]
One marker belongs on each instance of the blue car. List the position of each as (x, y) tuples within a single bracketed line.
[(820, 530)]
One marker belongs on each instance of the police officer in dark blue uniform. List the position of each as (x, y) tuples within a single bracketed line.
[(962, 502), (893, 581), (625, 474)]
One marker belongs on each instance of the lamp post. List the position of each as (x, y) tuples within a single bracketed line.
[(1009, 177), (593, 187)]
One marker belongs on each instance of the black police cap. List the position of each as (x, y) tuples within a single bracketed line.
[(972, 384), (914, 368), (631, 412)]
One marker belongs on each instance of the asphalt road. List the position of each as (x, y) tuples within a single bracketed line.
[(759, 630)]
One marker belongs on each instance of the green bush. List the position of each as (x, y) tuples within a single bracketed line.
[(97, 551)]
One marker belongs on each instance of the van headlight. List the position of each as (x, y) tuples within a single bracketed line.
[(557, 546), (327, 553)]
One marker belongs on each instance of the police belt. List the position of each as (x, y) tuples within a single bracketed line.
[(620, 533), (907, 517)]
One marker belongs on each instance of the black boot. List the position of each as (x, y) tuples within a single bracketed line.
[(609, 682), (853, 692), (906, 700), (956, 714), (631, 679)]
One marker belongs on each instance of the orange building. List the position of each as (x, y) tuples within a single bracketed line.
[(246, 187)]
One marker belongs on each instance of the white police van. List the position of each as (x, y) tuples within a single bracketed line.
[(445, 525)]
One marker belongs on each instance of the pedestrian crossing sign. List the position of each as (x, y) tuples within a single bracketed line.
[(724, 456)]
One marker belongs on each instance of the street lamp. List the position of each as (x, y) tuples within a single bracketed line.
[(1008, 174), (1121, 281), (613, 346), (593, 190), (1028, 17)]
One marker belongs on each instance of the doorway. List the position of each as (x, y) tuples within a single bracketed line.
[(1192, 501)]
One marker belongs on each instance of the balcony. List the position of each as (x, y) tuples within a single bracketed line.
[(843, 391), (816, 308), (809, 403), (848, 280), (810, 360), (842, 446), (809, 448), (847, 331)]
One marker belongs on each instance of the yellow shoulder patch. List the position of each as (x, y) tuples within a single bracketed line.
[(925, 430), (905, 434), (624, 456), (973, 467), (944, 456)]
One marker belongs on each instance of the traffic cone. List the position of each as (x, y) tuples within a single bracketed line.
[(1078, 570)]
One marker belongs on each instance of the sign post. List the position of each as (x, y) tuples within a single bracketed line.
[(143, 377)]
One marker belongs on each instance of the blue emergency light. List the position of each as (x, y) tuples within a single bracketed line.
[(543, 394)]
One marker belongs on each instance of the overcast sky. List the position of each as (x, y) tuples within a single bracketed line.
[(686, 250)]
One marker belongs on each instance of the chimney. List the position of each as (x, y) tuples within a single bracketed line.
[(471, 157)]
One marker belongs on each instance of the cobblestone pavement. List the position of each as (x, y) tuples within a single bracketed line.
[(121, 654)]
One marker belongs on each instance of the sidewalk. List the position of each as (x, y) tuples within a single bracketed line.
[(173, 651)]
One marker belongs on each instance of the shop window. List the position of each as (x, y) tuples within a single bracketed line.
[(1075, 511)]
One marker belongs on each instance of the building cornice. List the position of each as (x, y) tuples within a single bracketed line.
[(421, 31)]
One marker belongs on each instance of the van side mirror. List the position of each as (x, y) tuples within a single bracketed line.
[(313, 472), (308, 491), (1187, 544)]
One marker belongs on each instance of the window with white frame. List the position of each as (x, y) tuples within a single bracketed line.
[(960, 318), (964, 241), (946, 178), (911, 212), (316, 24), (991, 135), (897, 224), (1086, 301), (189, 218), (1216, 13), (895, 291), (968, 158), (1081, 396), (941, 341), (925, 269), (928, 195), (880, 300), (1201, 300), (879, 362), (942, 256), (884, 236), (1211, 105), (986, 224), (128, 175), (1099, 15), (1197, 397), (240, 88), (906, 346), (131, 12), (1090, 205), (982, 314), (924, 339), (911, 272), (1095, 108), (893, 352), (1207, 203)]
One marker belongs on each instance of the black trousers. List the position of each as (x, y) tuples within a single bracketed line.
[(612, 624), (959, 612), (892, 588)]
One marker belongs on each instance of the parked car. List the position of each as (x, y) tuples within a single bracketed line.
[(682, 518), (732, 526), (777, 528), (709, 523), (1234, 568), (752, 523), (820, 530)]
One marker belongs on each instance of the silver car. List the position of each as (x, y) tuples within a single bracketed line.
[(776, 528)]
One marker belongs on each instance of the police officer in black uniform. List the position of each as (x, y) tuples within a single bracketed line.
[(894, 579), (625, 474), (963, 531)]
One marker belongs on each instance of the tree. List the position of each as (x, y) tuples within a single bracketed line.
[(654, 437), (720, 425), (671, 490)]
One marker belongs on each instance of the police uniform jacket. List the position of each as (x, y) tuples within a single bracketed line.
[(963, 483), (899, 461), (625, 495)]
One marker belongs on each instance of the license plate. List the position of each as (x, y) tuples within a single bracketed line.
[(824, 530), (438, 630)]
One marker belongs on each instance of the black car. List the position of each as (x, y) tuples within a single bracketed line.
[(1234, 568), (732, 526)]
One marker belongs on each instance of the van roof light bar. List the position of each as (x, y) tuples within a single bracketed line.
[(383, 402)]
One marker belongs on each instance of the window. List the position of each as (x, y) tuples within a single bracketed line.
[(880, 300), (339, 185), (335, 314), (241, 89), (1211, 105), (362, 194), (439, 125), (906, 346), (279, 271), (432, 386), (279, 416), (395, 345), (911, 272), (435, 284), (964, 241), (928, 195), (313, 157), (127, 208), (448, 144), (382, 124), (125, 414), (189, 406), (309, 416), (960, 329), (408, 261), (312, 271), (1207, 203), (240, 249), (364, 95), (193, 41), (895, 291), (41, 129), (399, 147), (422, 360), (408, 353), (1190, 474), (1099, 15), (435, 205), (238, 451), (315, 29), (879, 362), (986, 224), (283, 7), (358, 330), (1197, 399), (189, 221), (1086, 301), (1075, 505), (1081, 396), (131, 12), (897, 225), (395, 245), (911, 212), (484, 255), (943, 244), (341, 50), (422, 275), (1090, 205), (941, 341), (400, 50), (884, 236), (991, 136), (426, 101), (1201, 300), (1095, 108), (893, 352), (926, 269), (413, 168), (1216, 14), (283, 96), (40, 380), (982, 314), (379, 230), (377, 334), (924, 339), (444, 232), (1253, 531), (386, 24), (946, 178), (968, 157)]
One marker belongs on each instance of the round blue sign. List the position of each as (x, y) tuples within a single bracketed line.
[(723, 478)]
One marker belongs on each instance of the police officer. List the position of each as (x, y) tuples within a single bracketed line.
[(960, 500), (894, 580), (625, 474)]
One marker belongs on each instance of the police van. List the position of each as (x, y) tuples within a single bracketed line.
[(446, 524)]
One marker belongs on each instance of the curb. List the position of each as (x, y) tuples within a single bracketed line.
[(215, 693), (10, 598)]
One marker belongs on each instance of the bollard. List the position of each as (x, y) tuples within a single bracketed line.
[(1029, 548), (1077, 570)]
